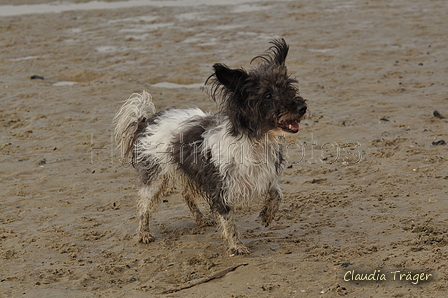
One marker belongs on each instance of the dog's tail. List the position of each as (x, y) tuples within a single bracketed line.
[(129, 123)]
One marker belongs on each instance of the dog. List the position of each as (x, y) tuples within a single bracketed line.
[(227, 158)]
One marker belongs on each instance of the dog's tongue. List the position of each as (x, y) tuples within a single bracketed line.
[(294, 126)]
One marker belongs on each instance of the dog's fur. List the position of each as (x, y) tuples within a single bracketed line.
[(229, 157)]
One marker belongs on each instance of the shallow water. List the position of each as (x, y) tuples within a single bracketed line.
[(57, 7), (64, 83), (174, 85)]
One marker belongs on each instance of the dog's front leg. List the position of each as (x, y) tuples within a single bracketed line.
[(230, 232), (271, 206), (236, 247)]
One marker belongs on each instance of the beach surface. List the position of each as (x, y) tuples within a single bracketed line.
[(366, 185)]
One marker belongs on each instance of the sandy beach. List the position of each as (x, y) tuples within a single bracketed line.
[(366, 185)]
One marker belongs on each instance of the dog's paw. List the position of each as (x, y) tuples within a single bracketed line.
[(239, 249), (145, 237), (266, 217), (205, 222)]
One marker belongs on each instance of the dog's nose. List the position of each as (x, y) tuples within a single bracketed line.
[(302, 109)]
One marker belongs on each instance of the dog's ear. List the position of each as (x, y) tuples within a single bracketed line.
[(276, 54), (231, 78), (280, 51)]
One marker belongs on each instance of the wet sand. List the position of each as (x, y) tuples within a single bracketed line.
[(366, 189)]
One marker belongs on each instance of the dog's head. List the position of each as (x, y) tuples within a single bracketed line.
[(263, 100)]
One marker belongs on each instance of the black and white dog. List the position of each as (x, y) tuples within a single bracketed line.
[(226, 158)]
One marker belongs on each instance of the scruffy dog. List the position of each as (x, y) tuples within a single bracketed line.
[(226, 158)]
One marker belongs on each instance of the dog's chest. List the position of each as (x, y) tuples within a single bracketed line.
[(251, 172), (251, 180)]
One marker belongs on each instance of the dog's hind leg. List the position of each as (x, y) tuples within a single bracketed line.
[(271, 206), (199, 218), (147, 203)]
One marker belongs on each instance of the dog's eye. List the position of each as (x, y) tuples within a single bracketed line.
[(268, 96)]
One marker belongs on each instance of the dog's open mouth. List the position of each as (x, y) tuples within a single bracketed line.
[(291, 127)]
